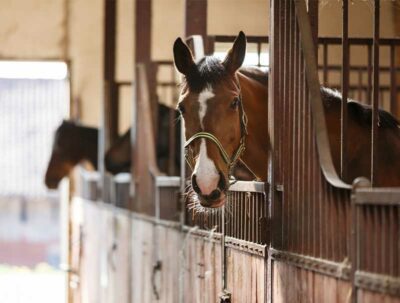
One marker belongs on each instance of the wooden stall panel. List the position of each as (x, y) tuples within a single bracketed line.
[(75, 249), (142, 261), (116, 249), (365, 296), (169, 249), (294, 284), (201, 269), (90, 264), (246, 275)]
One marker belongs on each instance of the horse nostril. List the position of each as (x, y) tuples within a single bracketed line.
[(215, 194), (221, 182), (195, 187)]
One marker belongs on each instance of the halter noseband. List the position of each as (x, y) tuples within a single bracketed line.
[(229, 161)]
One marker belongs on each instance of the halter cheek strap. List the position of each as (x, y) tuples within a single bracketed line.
[(229, 161)]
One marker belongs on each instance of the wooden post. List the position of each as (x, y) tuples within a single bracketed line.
[(109, 124), (196, 21)]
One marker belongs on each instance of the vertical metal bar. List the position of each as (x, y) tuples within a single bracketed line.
[(345, 88), (325, 63), (369, 73), (393, 86), (375, 91), (273, 120), (360, 84)]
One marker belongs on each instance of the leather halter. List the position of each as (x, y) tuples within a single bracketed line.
[(229, 161)]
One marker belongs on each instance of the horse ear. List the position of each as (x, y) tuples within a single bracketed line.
[(183, 57), (235, 57)]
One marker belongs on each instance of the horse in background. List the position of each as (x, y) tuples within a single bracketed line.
[(118, 157), (73, 143)]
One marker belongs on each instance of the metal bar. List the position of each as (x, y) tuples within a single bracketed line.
[(273, 120), (322, 266), (345, 89), (360, 85), (378, 282), (375, 91), (369, 71), (315, 97), (248, 186), (382, 196), (325, 64), (393, 90), (353, 68), (358, 41)]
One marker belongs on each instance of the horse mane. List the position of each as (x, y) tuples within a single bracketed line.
[(255, 73), (361, 112)]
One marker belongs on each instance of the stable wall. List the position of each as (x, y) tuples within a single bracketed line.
[(73, 30)]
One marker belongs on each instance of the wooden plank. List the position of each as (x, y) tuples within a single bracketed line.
[(142, 261), (90, 273), (343, 291), (278, 283), (245, 276), (365, 296)]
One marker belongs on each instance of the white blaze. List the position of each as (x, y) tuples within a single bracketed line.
[(207, 176), (204, 96)]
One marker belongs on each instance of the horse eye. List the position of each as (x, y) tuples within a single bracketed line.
[(181, 109), (235, 103)]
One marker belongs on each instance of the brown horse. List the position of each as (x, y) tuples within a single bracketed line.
[(73, 143), (359, 140), (218, 98), (118, 157)]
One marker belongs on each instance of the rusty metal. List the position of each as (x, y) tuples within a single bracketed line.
[(375, 90), (246, 246), (393, 90), (322, 266), (315, 96), (345, 88)]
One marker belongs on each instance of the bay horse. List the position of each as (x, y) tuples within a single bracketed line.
[(118, 157), (72, 144), (224, 109)]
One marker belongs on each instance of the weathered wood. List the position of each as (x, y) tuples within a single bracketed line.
[(245, 276), (90, 271), (365, 296), (142, 261)]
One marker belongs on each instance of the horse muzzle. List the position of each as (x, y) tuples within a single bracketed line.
[(216, 197)]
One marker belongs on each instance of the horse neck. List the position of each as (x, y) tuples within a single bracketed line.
[(255, 103), (88, 142)]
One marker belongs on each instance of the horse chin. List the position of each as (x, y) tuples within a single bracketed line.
[(214, 203), (52, 184)]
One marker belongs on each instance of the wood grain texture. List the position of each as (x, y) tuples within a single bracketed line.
[(293, 284), (245, 277)]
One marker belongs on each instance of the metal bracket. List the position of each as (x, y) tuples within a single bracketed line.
[(156, 267), (225, 297)]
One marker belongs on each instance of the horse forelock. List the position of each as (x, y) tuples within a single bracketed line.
[(207, 72)]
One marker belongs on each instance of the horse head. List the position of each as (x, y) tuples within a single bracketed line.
[(118, 157), (72, 143), (210, 104)]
